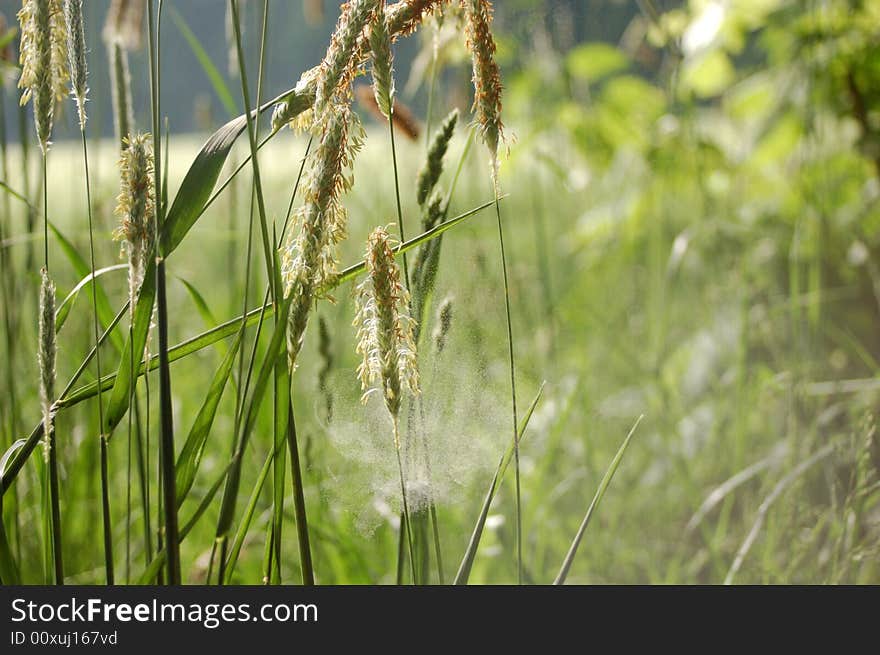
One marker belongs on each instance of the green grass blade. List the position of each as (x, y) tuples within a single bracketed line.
[(191, 454), (247, 518), (66, 305), (155, 567), (211, 72), (600, 492), (84, 270), (135, 344), (467, 562)]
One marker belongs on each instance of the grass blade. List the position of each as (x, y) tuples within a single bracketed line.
[(190, 456), (467, 562), (600, 492)]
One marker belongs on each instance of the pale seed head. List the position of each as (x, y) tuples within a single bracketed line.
[(46, 355), (134, 208), (385, 330)]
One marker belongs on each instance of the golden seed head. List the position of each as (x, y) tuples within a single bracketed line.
[(486, 76), (385, 330), (76, 52), (134, 208), (46, 355)]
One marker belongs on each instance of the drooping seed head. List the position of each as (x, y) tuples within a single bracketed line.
[(46, 355), (309, 258), (433, 168), (381, 60), (341, 62), (134, 208), (76, 51), (486, 76), (385, 330), (43, 58)]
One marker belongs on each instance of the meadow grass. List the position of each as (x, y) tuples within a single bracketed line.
[(634, 323)]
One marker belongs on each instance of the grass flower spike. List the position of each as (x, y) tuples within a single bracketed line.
[(385, 331), (46, 356), (309, 260), (43, 58), (340, 63), (486, 76), (76, 50), (381, 58), (433, 168), (135, 208)]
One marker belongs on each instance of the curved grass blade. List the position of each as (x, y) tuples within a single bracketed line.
[(156, 564), (600, 492), (191, 455), (467, 562), (66, 305)]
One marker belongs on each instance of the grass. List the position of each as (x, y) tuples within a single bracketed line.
[(754, 461)]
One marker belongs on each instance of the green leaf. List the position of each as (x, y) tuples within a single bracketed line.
[(600, 493), (191, 455), (467, 562), (66, 305), (105, 312)]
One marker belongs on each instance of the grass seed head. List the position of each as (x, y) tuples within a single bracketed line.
[(385, 330), (134, 208), (125, 23), (46, 355), (43, 58), (309, 259), (486, 76), (341, 62), (76, 52), (444, 322), (433, 168), (382, 62)]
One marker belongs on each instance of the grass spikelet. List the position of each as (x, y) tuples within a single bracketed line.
[(125, 24), (76, 52), (444, 323), (135, 208), (43, 59), (340, 63), (403, 119), (381, 61), (385, 331), (46, 355), (486, 76), (309, 260), (433, 168)]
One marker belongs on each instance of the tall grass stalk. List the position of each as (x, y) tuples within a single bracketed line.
[(166, 419), (76, 49)]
